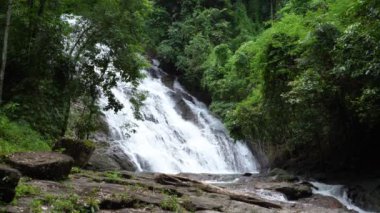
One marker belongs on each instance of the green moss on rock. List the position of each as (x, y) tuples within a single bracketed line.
[(79, 150)]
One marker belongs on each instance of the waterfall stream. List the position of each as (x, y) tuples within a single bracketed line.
[(338, 192), (177, 133)]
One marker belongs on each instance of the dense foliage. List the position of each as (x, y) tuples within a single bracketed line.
[(299, 79), (51, 63), (303, 85)]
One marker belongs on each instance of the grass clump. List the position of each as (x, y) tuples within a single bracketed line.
[(19, 137), (71, 203), (113, 177), (23, 189), (36, 206), (171, 203), (75, 170)]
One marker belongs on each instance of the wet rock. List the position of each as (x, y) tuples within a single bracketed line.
[(114, 204), (261, 157), (42, 165), (180, 181), (247, 174), (236, 206), (185, 111), (118, 155), (79, 150), (323, 201), (183, 108), (168, 81), (103, 133), (100, 161), (142, 193), (165, 179), (129, 210), (295, 191), (9, 179), (110, 158), (150, 117), (211, 202), (154, 73), (282, 175), (367, 198), (144, 164)]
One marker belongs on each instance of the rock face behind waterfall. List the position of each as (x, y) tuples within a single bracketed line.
[(110, 158), (173, 131)]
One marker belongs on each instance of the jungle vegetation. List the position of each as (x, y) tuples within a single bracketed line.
[(297, 79)]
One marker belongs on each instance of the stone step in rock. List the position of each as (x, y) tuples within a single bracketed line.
[(42, 165), (9, 179)]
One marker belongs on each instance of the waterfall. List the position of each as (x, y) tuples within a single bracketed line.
[(177, 133)]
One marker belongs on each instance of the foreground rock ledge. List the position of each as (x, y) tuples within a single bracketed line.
[(88, 191), (42, 165)]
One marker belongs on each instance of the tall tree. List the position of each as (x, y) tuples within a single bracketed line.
[(5, 49)]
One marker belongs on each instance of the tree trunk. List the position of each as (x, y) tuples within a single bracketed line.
[(271, 10), (67, 117), (5, 49), (42, 7)]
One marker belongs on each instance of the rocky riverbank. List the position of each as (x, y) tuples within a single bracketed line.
[(123, 191), (48, 182)]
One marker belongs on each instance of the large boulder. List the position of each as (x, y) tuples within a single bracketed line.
[(295, 191), (42, 165), (100, 161), (79, 150), (324, 201), (9, 179), (110, 158)]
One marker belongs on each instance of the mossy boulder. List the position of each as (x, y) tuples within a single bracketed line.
[(9, 179), (42, 165), (79, 150)]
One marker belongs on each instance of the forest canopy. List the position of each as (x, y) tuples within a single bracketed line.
[(297, 79)]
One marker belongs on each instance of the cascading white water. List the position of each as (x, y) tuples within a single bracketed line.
[(338, 192), (165, 141)]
